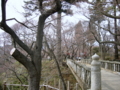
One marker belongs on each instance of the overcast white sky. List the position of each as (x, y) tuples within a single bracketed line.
[(14, 10)]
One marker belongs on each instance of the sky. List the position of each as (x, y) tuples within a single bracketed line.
[(14, 10)]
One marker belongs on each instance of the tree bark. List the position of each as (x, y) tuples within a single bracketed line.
[(33, 65), (57, 64), (116, 56), (34, 79), (36, 66), (34, 75), (59, 58), (20, 57)]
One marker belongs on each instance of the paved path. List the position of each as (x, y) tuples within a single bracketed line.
[(110, 80)]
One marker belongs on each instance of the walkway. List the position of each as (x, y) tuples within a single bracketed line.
[(110, 80)]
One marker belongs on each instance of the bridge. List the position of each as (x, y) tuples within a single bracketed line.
[(95, 74)]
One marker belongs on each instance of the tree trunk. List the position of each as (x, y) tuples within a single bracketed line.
[(100, 44), (32, 64), (101, 50), (57, 64), (90, 54), (104, 51), (33, 71), (116, 56), (36, 66), (59, 58), (34, 80)]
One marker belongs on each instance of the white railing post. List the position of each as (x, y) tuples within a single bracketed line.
[(106, 65), (95, 73), (114, 68)]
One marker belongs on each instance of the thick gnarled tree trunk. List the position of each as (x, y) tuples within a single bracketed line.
[(34, 74), (32, 64), (34, 80)]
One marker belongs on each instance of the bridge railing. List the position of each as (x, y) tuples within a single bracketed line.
[(86, 61), (88, 76), (110, 65), (83, 73)]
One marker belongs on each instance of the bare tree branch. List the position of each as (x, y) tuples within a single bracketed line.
[(111, 16), (20, 57), (103, 27), (10, 31), (3, 5), (40, 5), (118, 4), (19, 22), (113, 42), (58, 67), (15, 37), (102, 42), (16, 75)]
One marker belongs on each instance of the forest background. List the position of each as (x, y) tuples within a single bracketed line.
[(53, 30)]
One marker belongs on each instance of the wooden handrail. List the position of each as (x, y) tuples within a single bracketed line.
[(81, 72), (89, 75), (110, 65), (48, 86)]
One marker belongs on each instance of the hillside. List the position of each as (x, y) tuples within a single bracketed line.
[(50, 75)]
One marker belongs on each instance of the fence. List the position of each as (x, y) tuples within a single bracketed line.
[(110, 65), (82, 72), (7, 86), (88, 76)]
